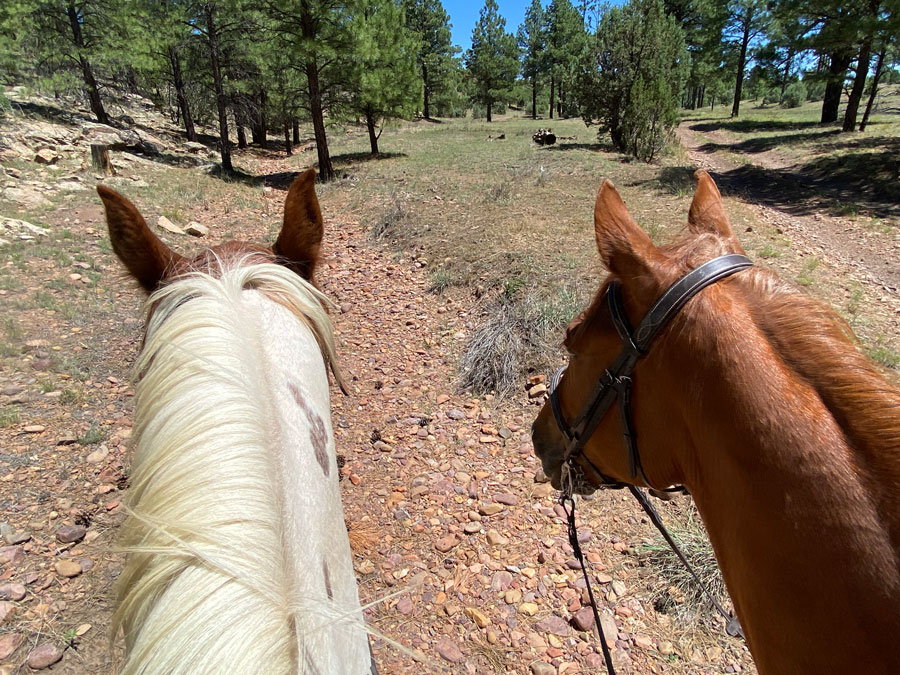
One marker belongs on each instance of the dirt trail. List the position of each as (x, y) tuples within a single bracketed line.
[(867, 256), (470, 542)]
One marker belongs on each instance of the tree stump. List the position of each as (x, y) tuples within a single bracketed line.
[(100, 159)]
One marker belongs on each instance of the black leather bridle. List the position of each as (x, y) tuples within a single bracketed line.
[(615, 383)]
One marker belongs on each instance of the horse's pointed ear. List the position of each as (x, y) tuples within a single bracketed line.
[(300, 238), (624, 247), (143, 254), (707, 212)]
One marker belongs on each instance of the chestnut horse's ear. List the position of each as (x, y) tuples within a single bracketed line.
[(146, 257), (624, 247), (707, 212), (301, 235)]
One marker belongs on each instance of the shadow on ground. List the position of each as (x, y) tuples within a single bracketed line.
[(863, 181)]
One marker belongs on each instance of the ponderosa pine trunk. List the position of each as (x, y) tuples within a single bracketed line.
[(742, 62), (862, 72), (872, 94), (426, 105), (787, 73), (241, 135), (534, 98), (552, 95), (221, 101), (837, 71), (490, 104), (307, 29), (181, 97), (370, 125), (87, 71), (287, 138), (295, 124)]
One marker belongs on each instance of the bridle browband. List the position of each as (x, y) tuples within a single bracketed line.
[(615, 383)]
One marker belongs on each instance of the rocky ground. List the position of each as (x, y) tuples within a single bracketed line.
[(464, 557)]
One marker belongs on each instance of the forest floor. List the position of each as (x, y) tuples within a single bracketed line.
[(422, 246)]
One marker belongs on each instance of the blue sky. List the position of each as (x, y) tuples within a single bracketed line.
[(463, 16)]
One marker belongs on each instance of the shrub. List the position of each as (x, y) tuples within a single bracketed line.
[(794, 95), (632, 77)]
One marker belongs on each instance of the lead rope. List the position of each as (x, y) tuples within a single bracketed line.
[(732, 625), (567, 501)]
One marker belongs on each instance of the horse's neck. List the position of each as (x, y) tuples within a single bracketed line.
[(805, 547), (314, 535)]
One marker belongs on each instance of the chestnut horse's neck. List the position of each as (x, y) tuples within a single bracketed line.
[(795, 467)]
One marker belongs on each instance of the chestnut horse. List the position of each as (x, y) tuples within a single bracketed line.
[(757, 399), (238, 556)]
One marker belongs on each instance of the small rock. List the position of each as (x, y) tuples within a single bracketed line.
[(46, 156), (555, 625), (447, 543), (6, 610), (12, 554), (195, 229), (69, 534), (471, 528), (98, 455), (665, 648), (490, 509), (508, 499), (67, 568), (12, 389), (455, 414), (643, 642), (537, 390), (33, 428), (478, 617), (13, 592), (405, 605), (13, 538), (528, 608), (43, 656), (10, 643), (448, 650), (193, 146), (610, 630), (168, 225), (494, 538), (583, 619), (540, 476), (542, 668)]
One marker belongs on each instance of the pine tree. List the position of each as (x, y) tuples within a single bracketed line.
[(65, 42), (431, 23), (493, 60), (632, 77), (748, 19), (565, 41), (384, 81), (317, 43), (532, 39)]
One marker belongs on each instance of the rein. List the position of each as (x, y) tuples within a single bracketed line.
[(615, 385)]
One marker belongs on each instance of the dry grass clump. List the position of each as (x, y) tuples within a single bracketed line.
[(520, 331), (679, 594), (396, 221)]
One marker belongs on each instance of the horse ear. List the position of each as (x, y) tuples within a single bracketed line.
[(300, 238), (624, 247), (143, 254), (707, 213)]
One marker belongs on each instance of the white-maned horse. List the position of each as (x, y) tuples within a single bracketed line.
[(238, 555)]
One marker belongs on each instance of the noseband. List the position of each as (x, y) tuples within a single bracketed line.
[(615, 383)]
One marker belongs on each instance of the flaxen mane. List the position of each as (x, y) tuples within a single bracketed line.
[(207, 536)]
